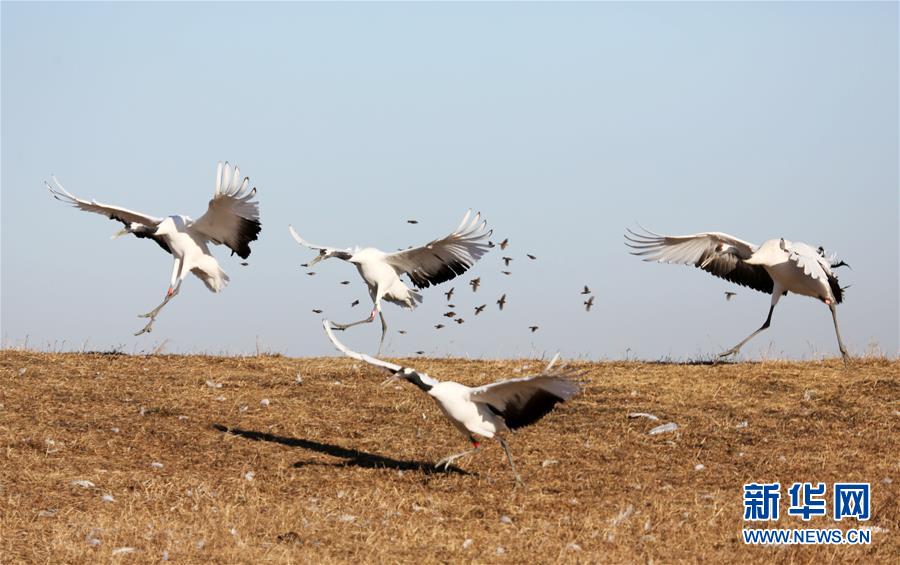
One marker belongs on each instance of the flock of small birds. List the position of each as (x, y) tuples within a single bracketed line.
[(475, 284)]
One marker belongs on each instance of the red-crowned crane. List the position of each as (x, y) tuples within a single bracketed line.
[(484, 411), (232, 219), (776, 267), (431, 264)]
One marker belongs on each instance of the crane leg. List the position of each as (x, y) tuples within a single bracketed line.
[(510, 459), (368, 320), (837, 331), (450, 459), (152, 314), (765, 325), (383, 331)]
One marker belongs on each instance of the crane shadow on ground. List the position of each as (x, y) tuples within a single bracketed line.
[(352, 457)]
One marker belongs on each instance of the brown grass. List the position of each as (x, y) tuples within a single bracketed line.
[(342, 466)]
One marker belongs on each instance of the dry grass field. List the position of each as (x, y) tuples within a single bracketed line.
[(232, 460)]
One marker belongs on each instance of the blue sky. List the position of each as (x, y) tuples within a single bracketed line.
[(563, 123)]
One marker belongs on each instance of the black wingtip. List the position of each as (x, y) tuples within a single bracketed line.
[(521, 414), (248, 231)]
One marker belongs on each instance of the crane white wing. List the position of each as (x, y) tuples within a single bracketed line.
[(814, 264), (117, 213), (526, 400), (358, 356), (324, 252), (444, 259), (232, 217), (717, 253), (309, 245), (809, 259)]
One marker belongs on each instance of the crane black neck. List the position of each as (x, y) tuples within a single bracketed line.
[(415, 379)]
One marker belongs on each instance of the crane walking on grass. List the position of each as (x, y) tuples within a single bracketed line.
[(776, 267), (433, 263), (232, 219), (484, 411)]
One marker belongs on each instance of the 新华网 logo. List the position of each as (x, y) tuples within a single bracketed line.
[(762, 503)]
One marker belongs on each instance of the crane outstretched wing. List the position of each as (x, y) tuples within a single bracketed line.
[(716, 253), (358, 356), (814, 264), (232, 217), (116, 213), (808, 258), (309, 245), (444, 259), (526, 400), (145, 225), (344, 254)]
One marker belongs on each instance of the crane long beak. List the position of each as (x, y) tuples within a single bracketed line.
[(392, 379)]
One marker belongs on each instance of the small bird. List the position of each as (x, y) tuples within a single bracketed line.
[(354, 303), (412, 221), (231, 219), (345, 282), (304, 265), (502, 301), (431, 264), (449, 314), (507, 273), (317, 311), (486, 411), (449, 293), (451, 305), (504, 244), (530, 256), (506, 260), (729, 295), (533, 328), (459, 320), (586, 290), (776, 267), (491, 244), (401, 332), (475, 283), (311, 273), (438, 326), (588, 303), (244, 263), (420, 352), (479, 309)]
